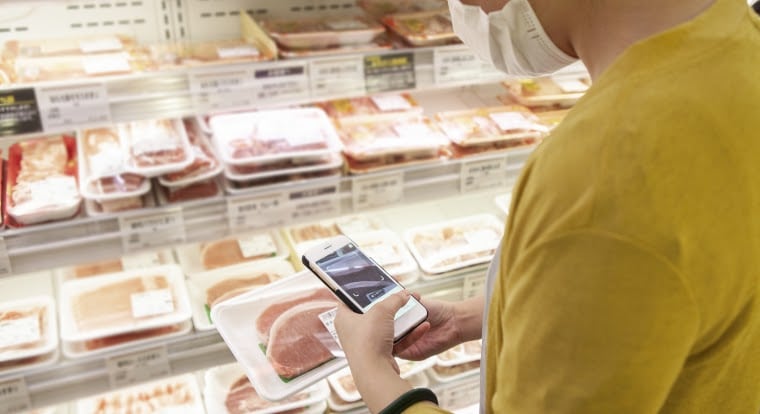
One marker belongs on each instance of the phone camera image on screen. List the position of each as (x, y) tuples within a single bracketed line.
[(357, 275)]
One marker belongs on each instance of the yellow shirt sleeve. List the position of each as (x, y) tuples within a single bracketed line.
[(587, 322)]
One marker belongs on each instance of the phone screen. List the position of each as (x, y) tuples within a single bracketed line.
[(360, 278)]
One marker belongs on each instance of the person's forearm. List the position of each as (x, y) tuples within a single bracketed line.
[(487, 5), (469, 314), (379, 385)]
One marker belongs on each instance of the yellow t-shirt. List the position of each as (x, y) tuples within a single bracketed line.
[(630, 275)]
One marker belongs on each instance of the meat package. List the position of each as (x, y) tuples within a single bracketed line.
[(344, 396), (303, 236), (129, 262), (205, 164), (379, 8), (460, 354), (278, 335), (388, 250), (41, 181), (28, 329), (231, 252), (208, 289), (431, 28), (323, 33), (155, 147), (229, 391), (285, 168), (554, 91), (172, 395), (370, 105), (120, 303), (455, 244), (512, 126)]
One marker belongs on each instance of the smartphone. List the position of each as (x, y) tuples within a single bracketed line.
[(359, 282)]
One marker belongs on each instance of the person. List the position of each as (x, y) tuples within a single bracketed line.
[(628, 280)]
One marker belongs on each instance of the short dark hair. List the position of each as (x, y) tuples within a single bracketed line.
[(756, 6)]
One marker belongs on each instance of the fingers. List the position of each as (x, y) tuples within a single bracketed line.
[(392, 304), (400, 348)]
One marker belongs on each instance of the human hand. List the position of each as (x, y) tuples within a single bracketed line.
[(439, 333)]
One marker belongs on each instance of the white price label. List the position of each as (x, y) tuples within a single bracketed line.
[(328, 320), (99, 45), (486, 174), (5, 260), (64, 107), (130, 369), (152, 303), (337, 76), (221, 88), (516, 121), (15, 332), (106, 64), (378, 191), (474, 285), (257, 211), (280, 83), (460, 394), (257, 245), (315, 203), (14, 396), (155, 229), (387, 103), (455, 65)]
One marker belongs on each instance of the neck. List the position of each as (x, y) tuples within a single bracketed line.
[(598, 31)]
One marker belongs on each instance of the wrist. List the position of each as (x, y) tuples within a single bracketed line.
[(369, 374), (469, 319)]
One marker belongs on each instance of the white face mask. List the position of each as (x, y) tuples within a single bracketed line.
[(512, 39)]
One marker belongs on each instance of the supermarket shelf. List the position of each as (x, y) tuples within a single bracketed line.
[(69, 380), (88, 239)]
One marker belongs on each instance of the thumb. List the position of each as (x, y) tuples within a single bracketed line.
[(393, 303)]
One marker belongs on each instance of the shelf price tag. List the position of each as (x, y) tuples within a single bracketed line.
[(314, 203), (455, 65), (5, 260), (19, 113), (14, 396), (483, 175), (474, 285), (67, 107), (257, 211), (377, 191), (153, 229), (337, 76), (280, 82), (389, 72), (221, 88), (136, 367)]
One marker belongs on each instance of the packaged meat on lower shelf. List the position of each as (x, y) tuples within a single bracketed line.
[(129, 262), (28, 329), (205, 165), (198, 190), (557, 92), (281, 182), (274, 135), (370, 105), (155, 147), (460, 354), (211, 288), (513, 125), (172, 395), (103, 175), (450, 245), (345, 396), (431, 28), (229, 391), (125, 302), (233, 251), (41, 181), (277, 334), (130, 340), (303, 236), (283, 168), (443, 374)]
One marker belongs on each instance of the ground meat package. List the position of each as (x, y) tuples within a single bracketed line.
[(278, 334)]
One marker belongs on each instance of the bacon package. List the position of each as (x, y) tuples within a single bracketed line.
[(278, 333), (41, 183)]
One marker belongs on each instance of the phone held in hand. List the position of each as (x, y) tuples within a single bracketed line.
[(359, 282)]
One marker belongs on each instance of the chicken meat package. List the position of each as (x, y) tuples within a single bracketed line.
[(231, 252), (41, 181), (156, 147), (176, 395), (274, 135), (121, 303), (370, 105), (229, 391), (211, 288), (279, 334), (455, 244), (103, 174), (514, 125), (323, 33), (373, 137), (205, 165), (432, 28), (553, 91), (28, 329)]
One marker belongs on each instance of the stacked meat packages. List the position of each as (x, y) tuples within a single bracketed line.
[(275, 147), (28, 333)]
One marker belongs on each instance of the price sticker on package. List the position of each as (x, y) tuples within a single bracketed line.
[(154, 229), (455, 65), (280, 83), (221, 89), (378, 191), (5, 260), (67, 107), (136, 367), (257, 211), (337, 76), (485, 174), (14, 396)]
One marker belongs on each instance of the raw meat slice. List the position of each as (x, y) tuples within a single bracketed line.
[(243, 399), (299, 340), (233, 287), (267, 318), (129, 337), (224, 253)]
